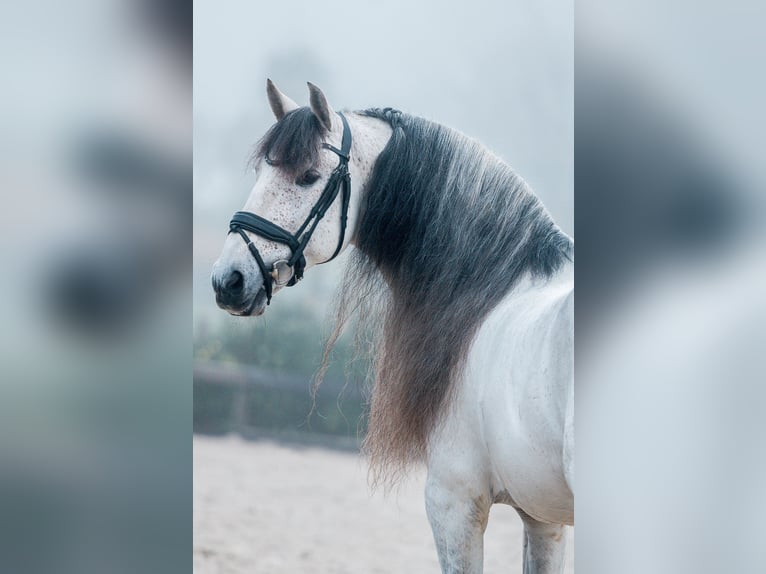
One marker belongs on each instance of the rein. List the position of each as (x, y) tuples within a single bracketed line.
[(242, 221)]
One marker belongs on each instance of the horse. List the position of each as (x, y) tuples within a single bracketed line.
[(464, 286)]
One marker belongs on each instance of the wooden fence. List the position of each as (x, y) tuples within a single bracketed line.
[(240, 398)]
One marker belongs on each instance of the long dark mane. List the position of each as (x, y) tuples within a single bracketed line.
[(446, 231)]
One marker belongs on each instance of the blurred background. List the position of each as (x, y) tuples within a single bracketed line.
[(95, 244), (501, 72), (671, 277)]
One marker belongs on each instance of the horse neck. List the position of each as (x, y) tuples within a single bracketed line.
[(370, 136), (464, 182)]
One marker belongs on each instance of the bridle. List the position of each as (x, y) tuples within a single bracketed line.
[(242, 221)]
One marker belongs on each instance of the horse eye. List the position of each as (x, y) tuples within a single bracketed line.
[(308, 178)]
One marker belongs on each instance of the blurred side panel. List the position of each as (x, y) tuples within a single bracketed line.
[(671, 276), (95, 297)]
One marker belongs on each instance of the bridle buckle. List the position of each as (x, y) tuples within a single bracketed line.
[(282, 272)]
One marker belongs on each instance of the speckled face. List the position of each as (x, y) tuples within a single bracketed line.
[(284, 197)]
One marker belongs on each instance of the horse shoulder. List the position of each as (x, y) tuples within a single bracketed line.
[(520, 368)]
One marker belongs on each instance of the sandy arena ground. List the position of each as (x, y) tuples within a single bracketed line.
[(265, 508)]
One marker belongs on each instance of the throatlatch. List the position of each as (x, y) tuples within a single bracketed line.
[(242, 221)]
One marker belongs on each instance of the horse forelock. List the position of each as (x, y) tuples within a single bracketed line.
[(446, 231), (293, 142)]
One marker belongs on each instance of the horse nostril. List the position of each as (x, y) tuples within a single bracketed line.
[(234, 283)]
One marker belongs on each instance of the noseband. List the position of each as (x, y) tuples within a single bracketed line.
[(340, 181)]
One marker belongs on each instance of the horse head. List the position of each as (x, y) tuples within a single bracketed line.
[(301, 211)]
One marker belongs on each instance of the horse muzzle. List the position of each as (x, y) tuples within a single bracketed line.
[(235, 295)]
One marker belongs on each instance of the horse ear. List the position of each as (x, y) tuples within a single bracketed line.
[(280, 103), (320, 107)]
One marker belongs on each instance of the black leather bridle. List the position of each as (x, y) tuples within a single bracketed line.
[(340, 181)]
